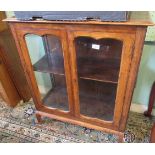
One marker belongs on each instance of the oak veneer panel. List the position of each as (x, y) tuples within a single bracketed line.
[(133, 72)]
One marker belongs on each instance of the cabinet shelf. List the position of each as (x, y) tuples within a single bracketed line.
[(106, 71), (96, 101), (98, 69), (47, 65), (53, 99), (56, 96)]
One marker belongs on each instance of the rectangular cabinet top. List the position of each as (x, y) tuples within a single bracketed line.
[(137, 18)]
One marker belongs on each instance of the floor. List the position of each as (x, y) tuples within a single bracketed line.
[(19, 125)]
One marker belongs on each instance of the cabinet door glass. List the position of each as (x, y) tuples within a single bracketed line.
[(98, 65), (48, 64)]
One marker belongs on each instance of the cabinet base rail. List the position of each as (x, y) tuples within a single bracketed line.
[(120, 135)]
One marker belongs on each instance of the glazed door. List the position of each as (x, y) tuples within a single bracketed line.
[(45, 56), (100, 69)]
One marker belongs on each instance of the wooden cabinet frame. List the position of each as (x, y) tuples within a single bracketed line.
[(132, 37)]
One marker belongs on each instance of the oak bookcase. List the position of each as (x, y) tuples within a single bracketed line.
[(89, 67)]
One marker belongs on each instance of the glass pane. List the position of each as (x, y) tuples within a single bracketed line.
[(48, 65), (98, 63)]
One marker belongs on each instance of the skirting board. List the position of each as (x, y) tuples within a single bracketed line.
[(140, 108)]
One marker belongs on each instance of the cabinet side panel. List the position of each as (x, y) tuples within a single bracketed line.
[(137, 52)]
